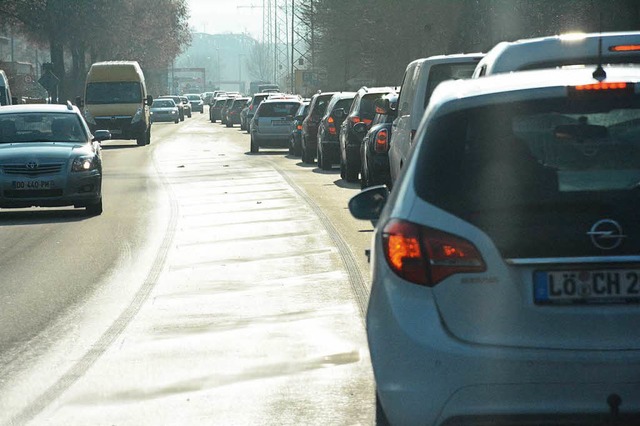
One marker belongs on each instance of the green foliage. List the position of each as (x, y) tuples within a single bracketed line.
[(153, 32)]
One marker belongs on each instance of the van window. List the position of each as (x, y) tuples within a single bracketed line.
[(114, 93), (407, 93), (443, 72)]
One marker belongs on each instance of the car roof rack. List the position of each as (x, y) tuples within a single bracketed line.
[(69, 105)]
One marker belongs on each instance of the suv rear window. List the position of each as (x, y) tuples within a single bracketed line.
[(279, 109), (530, 170)]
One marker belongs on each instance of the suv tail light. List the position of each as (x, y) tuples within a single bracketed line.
[(426, 256), (332, 126), (382, 141), (357, 119), (251, 107)]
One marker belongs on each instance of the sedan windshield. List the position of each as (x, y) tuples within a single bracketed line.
[(41, 127)]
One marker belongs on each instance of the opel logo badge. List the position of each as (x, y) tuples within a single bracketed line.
[(31, 165), (606, 234)]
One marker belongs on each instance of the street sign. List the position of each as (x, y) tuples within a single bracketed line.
[(49, 81)]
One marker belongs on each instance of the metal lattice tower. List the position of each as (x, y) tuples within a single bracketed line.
[(288, 37)]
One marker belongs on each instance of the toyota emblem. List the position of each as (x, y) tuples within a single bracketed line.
[(606, 234), (31, 165)]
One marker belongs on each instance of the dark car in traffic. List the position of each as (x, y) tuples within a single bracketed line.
[(362, 111), (296, 128), (328, 151), (216, 108), (374, 150), (309, 139), (233, 112)]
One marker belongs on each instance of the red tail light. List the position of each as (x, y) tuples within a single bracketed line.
[(427, 256), (601, 86), (299, 127), (251, 107), (382, 142), (366, 121), (332, 127), (355, 120), (625, 48)]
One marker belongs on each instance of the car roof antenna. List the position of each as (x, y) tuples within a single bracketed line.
[(600, 74)]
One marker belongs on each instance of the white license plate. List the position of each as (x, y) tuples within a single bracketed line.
[(25, 185), (587, 286)]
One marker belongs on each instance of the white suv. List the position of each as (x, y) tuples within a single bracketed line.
[(560, 50), (420, 79), (506, 262)]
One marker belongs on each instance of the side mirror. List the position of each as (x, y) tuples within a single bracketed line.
[(102, 135), (149, 100), (338, 113), (360, 128), (368, 204)]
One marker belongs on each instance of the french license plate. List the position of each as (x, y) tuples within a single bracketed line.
[(32, 184), (589, 286)]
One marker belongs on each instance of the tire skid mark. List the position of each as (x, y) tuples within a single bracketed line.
[(356, 280), (118, 326)]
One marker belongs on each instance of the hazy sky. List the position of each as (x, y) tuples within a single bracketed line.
[(224, 16)]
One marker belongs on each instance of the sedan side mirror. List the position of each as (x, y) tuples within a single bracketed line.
[(368, 204)]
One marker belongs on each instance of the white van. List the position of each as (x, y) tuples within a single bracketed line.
[(5, 92), (420, 79), (560, 50), (115, 99)]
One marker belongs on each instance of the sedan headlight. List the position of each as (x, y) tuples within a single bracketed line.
[(84, 164), (137, 116)]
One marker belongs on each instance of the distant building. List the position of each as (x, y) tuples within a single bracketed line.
[(224, 60)]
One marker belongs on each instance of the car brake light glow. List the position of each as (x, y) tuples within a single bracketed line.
[(625, 48), (299, 127), (381, 141), (601, 86), (355, 120), (331, 127), (427, 256)]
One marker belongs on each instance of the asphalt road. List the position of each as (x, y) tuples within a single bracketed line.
[(218, 287)]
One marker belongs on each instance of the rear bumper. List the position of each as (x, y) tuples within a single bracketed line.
[(120, 128), (424, 375)]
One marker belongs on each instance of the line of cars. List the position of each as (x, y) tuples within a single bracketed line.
[(506, 259)]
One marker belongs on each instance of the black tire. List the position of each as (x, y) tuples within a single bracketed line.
[(291, 145), (307, 157), (148, 136), (350, 175), (364, 181), (342, 172), (177, 120), (94, 209), (319, 157), (323, 164), (141, 140), (381, 417), (229, 124), (255, 148), (202, 112)]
